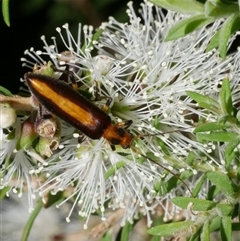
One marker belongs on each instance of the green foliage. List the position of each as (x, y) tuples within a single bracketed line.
[(5, 12), (5, 91), (197, 204), (222, 182), (223, 130), (126, 231), (112, 170), (203, 13), (31, 220), (187, 26), (212, 215), (170, 228)]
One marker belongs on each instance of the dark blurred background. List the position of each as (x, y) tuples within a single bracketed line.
[(30, 19)]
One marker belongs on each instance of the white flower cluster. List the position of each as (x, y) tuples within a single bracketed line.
[(147, 80)]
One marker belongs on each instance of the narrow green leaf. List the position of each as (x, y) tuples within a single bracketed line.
[(5, 12), (226, 98), (212, 192), (225, 33), (215, 41), (212, 126), (224, 209), (183, 6), (54, 199), (198, 185), (107, 237), (205, 234), (198, 204), (222, 182), (229, 151), (219, 9), (226, 228), (204, 101), (3, 192), (190, 158), (217, 136), (5, 91), (170, 228), (160, 142), (112, 170), (31, 219), (215, 224), (162, 145), (187, 26), (126, 231), (174, 180), (156, 222), (95, 37), (195, 236)]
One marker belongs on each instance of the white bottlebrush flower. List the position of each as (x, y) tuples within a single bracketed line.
[(147, 80), (18, 173)]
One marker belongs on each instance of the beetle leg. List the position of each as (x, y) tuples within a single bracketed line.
[(107, 104), (81, 138), (96, 91), (112, 147), (72, 80), (67, 76)]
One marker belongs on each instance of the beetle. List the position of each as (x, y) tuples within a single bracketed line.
[(71, 106)]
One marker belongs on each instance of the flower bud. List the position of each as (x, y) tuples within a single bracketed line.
[(28, 134), (46, 146), (7, 115)]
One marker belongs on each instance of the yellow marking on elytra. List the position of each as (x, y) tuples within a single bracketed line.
[(74, 110)]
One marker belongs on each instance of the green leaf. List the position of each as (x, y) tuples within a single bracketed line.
[(5, 12), (204, 101), (183, 6), (54, 199), (163, 146), (198, 185), (225, 33), (219, 9), (229, 151), (205, 234), (216, 40), (226, 98), (212, 192), (3, 192), (170, 228), (126, 231), (222, 182), (5, 91), (112, 170), (212, 126), (95, 37), (107, 237), (190, 158), (187, 26), (224, 209), (198, 204), (175, 180), (31, 219), (217, 136), (226, 228), (215, 224)]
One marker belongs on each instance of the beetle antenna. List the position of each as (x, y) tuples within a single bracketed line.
[(161, 134), (165, 168)]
